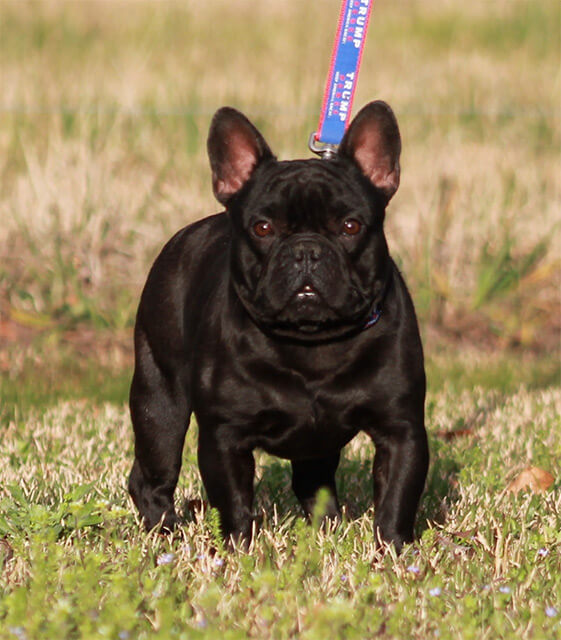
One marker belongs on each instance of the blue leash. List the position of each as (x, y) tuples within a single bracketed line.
[(342, 77), (340, 88)]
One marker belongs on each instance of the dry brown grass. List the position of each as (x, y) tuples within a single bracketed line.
[(105, 108)]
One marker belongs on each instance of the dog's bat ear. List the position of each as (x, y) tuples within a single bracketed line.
[(235, 148), (373, 142)]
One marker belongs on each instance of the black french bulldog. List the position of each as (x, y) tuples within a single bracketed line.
[(283, 324)]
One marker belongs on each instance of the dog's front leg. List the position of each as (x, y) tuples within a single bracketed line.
[(227, 473), (400, 469)]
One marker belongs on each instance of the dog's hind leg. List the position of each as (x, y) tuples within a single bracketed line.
[(160, 416), (309, 476)]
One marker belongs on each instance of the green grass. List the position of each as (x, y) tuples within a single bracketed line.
[(71, 376), (461, 369), (40, 389), (486, 565), (498, 29)]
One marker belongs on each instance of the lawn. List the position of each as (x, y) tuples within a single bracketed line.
[(103, 119), (486, 565)]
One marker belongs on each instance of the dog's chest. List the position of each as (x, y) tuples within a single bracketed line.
[(283, 410), (303, 423)]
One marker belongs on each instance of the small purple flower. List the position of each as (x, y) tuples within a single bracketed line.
[(550, 612), (435, 592), (543, 552), (124, 635), (218, 562), (165, 558), (413, 569), (344, 578), (504, 589)]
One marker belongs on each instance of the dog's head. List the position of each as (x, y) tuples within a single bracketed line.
[(309, 258)]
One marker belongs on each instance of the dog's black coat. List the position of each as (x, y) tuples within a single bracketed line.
[(256, 320)]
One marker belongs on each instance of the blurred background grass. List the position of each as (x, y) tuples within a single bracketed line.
[(104, 112)]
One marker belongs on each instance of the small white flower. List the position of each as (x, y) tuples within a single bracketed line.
[(218, 562), (504, 589), (435, 592), (543, 552), (165, 558), (550, 612), (413, 569)]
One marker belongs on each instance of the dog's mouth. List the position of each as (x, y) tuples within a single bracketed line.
[(308, 304), (317, 304), (307, 292), (307, 295), (309, 316)]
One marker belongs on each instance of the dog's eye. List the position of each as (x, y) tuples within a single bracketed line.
[(262, 228), (351, 227)]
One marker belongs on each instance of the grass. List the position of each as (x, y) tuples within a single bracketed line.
[(103, 120), (59, 371), (486, 564)]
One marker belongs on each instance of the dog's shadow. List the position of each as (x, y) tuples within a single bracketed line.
[(274, 495), (275, 500)]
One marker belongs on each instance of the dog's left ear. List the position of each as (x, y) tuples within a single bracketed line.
[(235, 148), (373, 142)]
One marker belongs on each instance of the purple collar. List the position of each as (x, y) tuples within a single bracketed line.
[(377, 306), (373, 318)]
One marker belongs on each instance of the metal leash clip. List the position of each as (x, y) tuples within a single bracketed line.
[(323, 149)]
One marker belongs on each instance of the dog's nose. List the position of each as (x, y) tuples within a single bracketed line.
[(306, 251)]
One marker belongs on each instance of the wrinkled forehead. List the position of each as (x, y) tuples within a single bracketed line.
[(306, 193)]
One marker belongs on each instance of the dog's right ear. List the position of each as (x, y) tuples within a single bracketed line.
[(235, 148)]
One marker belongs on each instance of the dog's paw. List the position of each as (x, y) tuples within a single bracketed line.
[(389, 536), (165, 524)]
